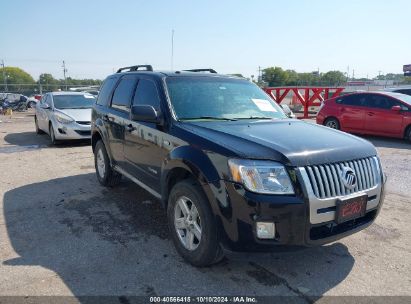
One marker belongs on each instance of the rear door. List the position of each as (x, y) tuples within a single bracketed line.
[(352, 112), (143, 149), (117, 113), (380, 119)]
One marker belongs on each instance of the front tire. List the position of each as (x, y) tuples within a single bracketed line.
[(38, 130), (408, 135), (105, 174), (54, 141), (192, 224), (332, 123)]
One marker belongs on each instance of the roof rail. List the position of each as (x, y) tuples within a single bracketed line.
[(135, 68), (202, 70)]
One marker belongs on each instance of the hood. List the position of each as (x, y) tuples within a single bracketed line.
[(77, 114), (292, 142)]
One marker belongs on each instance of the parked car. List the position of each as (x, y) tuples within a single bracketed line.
[(403, 90), (32, 100), (375, 113), (231, 169), (64, 115)]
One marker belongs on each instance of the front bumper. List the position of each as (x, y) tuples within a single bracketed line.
[(72, 131), (239, 210)]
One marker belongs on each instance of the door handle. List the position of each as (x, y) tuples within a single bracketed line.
[(370, 113), (130, 128)]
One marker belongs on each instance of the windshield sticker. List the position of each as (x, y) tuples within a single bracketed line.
[(89, 96), (264, 105)]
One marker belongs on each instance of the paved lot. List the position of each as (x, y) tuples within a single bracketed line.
[(61, 233)]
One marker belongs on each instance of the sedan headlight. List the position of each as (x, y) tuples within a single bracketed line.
[(63, 118), (261, 176)]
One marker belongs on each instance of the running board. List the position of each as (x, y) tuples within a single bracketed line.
[(135, 180)]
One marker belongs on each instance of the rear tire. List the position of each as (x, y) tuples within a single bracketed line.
[(38, 130), (192, 224), (332, 123), (105, 173)]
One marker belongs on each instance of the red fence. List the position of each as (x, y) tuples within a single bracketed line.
[(307, 96)]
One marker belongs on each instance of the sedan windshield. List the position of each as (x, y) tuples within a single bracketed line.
[(73, 101), (216, 98)]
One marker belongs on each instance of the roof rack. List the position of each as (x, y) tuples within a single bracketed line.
[(135, 68), (202, 70)]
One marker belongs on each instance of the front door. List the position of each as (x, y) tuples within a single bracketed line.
[(379, 118), (144, 141)]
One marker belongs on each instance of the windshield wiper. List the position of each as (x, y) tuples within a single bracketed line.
[(207, 117), (255, 117)]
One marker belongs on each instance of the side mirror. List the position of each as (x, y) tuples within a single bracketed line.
[(396, 108), (287, 111), (45, 106), (144, 113)]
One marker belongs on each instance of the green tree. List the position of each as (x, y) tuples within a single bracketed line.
[(17, 79), (48, 82), (275, 76), (333, 78)]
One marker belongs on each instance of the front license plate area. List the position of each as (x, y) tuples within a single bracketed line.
[(351, 208)]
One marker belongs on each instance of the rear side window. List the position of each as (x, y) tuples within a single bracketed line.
[(352, 100), (122, 94), (147, 94), (105, 91)]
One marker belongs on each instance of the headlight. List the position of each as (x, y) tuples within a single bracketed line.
[(63, 118), (261, 176)]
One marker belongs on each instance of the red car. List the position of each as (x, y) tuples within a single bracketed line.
[(375, 113)]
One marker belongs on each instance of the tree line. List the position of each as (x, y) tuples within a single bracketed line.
[(276, 76), (14, 79)]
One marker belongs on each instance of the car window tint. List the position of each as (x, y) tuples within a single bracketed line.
[(381, 102), (353, 100), (105, 91), (147, 94), (122, 94)]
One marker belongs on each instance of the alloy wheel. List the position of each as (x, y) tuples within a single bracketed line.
[(187, 223), (101, 166)]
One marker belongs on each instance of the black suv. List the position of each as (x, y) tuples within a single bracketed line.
[(232, 170)]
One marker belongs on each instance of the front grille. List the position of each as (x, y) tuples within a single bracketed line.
[(83, 133), (84, 122), (326, 180)]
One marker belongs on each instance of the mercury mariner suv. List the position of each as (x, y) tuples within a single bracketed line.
[(232, 170)]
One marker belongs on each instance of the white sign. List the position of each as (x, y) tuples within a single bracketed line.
[(264, 105)]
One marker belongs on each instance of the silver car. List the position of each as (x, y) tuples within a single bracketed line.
[(64, 115)]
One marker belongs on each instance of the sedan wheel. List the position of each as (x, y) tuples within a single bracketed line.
[(52, 135), (332, 123), (187, 223)]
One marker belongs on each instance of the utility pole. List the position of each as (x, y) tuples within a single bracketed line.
[(64, 73), (172, 49), (259, 75), (352, 74), (4, 76)]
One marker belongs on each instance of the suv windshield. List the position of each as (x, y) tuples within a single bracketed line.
[(73, 101), (220, 98)]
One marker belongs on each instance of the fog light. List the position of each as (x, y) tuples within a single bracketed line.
[(265, 230)]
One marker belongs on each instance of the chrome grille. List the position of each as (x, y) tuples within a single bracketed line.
[(326, 180)]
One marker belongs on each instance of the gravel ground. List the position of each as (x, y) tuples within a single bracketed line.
[(61, 233)]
